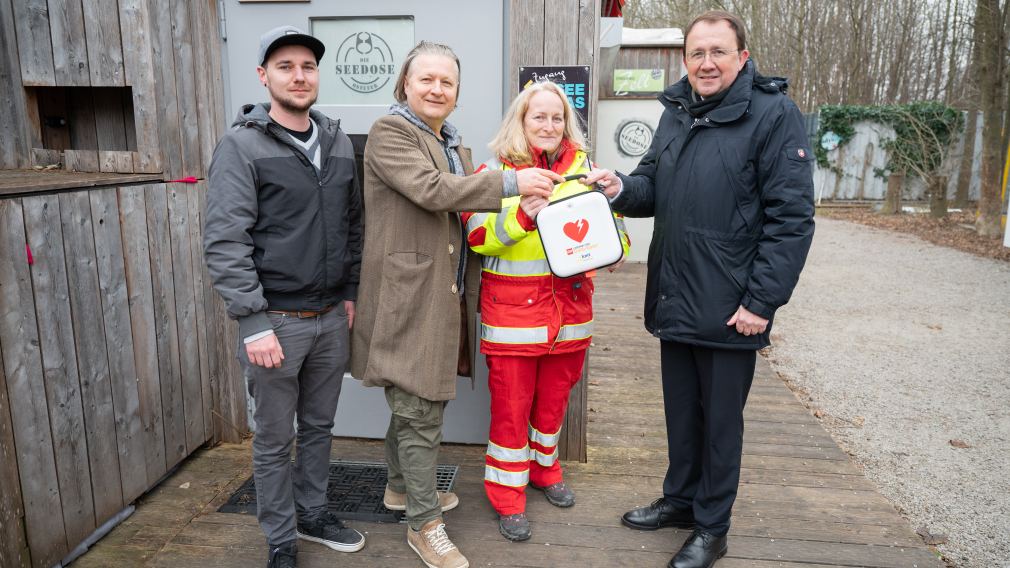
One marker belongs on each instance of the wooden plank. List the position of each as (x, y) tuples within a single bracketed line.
[(117, 162), (193, 192), (70, 49), (59, 364), (166, 327), (163, 56), (105, 45), (13, 546), (138, 61), (208, 78), (185, 303), (92, 355), (15, 144), (119, 334), (561, 33), (526, 39), (83, 130), (22, 362), (43, 158), (33, 120), (572, 445), (588, 53), (185, 83), (81, 161), (20, 182), (35, 47), (108, 104), (137, 255)]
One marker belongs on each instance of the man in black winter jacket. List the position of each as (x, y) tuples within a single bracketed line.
[(729, 181), (282, 241)]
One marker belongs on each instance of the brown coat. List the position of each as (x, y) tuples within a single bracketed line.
[(406, 326)]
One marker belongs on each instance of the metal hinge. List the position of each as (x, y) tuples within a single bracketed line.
[(221, 21)]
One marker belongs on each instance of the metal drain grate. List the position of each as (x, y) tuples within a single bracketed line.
[(354, 491)]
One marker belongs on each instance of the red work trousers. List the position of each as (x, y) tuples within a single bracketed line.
[(528, 400)]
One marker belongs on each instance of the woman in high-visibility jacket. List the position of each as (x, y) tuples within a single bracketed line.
[(535, 327)]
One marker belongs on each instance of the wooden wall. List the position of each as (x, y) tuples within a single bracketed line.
[(76, 58), (111, 374), (116, 356), (559, 32)]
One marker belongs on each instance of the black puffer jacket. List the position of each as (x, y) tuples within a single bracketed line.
[(732, 197)]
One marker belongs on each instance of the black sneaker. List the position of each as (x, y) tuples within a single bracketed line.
[(283, 555), (330, 531)]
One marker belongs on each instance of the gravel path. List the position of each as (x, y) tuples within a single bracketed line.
[(905, 347)]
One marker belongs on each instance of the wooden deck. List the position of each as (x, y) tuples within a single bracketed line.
[(801, 501)]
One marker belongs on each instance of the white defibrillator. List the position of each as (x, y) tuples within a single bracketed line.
[(579, 233)]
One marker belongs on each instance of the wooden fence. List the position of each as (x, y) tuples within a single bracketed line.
[(115, 362)]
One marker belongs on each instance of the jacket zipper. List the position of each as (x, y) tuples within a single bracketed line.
[(319, 193)]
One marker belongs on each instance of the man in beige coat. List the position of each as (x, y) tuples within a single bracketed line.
[(415, 271)]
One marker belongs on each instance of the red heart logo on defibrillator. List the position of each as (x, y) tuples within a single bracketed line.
[(577, 230)]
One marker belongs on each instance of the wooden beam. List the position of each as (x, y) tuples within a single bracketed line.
[(166, 323), (92, 354), (185, 85), (105, 45), (35, 47), (59, 364), (119, 334), (70, 49), (135, 22), (185, 303), (199, 290), (22, 362), (526, 39), (137, 255), (13, 546), (15, 145)]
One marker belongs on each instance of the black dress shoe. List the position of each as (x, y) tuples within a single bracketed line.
[(658, 514), (701, 550)]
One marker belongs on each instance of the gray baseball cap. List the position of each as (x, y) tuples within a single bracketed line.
[(288, 35)]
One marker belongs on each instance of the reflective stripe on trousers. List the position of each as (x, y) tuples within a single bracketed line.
[(545, 440), (509, 478), (504, 454)]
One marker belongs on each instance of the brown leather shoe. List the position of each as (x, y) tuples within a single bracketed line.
[(434, 547)]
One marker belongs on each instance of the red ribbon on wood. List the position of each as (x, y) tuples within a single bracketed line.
[(31, 259), (189, 179)]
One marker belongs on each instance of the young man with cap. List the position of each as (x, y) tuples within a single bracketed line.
[(282, 240)]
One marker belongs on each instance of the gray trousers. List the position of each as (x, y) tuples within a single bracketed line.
[(412, 441), (306, 386)]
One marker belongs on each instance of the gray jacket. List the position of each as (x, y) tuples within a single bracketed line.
[(278, 233)]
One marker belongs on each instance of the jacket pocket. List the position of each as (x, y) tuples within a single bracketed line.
[(715, 273), (513, 295), (742, 176)]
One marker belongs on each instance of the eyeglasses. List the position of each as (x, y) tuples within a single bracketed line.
[(716, 55)]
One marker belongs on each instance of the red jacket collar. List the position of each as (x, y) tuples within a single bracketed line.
[(562, 161)]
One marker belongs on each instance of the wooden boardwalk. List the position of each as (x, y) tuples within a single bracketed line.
[(801, 501)]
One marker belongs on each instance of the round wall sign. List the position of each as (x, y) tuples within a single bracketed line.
[(634, 138)]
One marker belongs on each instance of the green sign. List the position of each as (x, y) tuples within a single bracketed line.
[(639, 80)]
